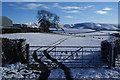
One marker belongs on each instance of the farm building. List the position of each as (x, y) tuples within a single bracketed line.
[(5, 22)]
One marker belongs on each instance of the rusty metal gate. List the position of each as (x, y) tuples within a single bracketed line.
[(71, 56)]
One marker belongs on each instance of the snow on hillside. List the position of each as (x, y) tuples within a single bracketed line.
[(95, 26), (74, 31), (68, 25), (31, 25), (89, 25), (104, 34)]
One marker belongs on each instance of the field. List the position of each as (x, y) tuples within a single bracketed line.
[(73, 37)]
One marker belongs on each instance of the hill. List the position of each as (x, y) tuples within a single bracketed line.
[(94, 26)]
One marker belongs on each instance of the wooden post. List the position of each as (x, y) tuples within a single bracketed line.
[(27, 56), (110, 57), (82, 56), (113, 65)]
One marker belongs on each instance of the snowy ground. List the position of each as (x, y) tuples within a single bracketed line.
[(46, 39)]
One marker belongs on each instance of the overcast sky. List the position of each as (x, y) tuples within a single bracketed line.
[(69, 12)]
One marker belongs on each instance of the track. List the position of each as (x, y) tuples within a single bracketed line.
[(53, 44)]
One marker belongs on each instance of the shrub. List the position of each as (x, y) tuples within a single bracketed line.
[(13, 50), (117, 47), (116, 34), (107, 48)]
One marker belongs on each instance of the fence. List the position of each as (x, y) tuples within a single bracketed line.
[(19, 30), (71, 56)]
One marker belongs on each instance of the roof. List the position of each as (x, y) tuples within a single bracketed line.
[(5, 21)]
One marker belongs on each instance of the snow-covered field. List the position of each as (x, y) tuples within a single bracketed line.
[(93, 38), (49, 39)]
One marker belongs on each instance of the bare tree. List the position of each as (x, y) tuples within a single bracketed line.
[(47, 19)]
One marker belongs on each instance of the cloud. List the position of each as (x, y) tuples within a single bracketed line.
[(27, 0), (11, 4), (32, 0), (73, 11), (85, 7), (104, 11), (101, 12), (33, 6), (19, 0), (67, 7), (109, 14), (107, 9), (68, 16), (71, 7)]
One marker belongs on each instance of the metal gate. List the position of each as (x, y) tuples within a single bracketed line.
[(71, 56)]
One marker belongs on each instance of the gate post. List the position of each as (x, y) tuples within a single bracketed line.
[(27, 56), (112, 56)]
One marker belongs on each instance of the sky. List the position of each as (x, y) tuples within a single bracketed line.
[(69, 12), (60, 0)]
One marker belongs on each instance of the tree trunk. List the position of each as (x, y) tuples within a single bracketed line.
[(62, 66)]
